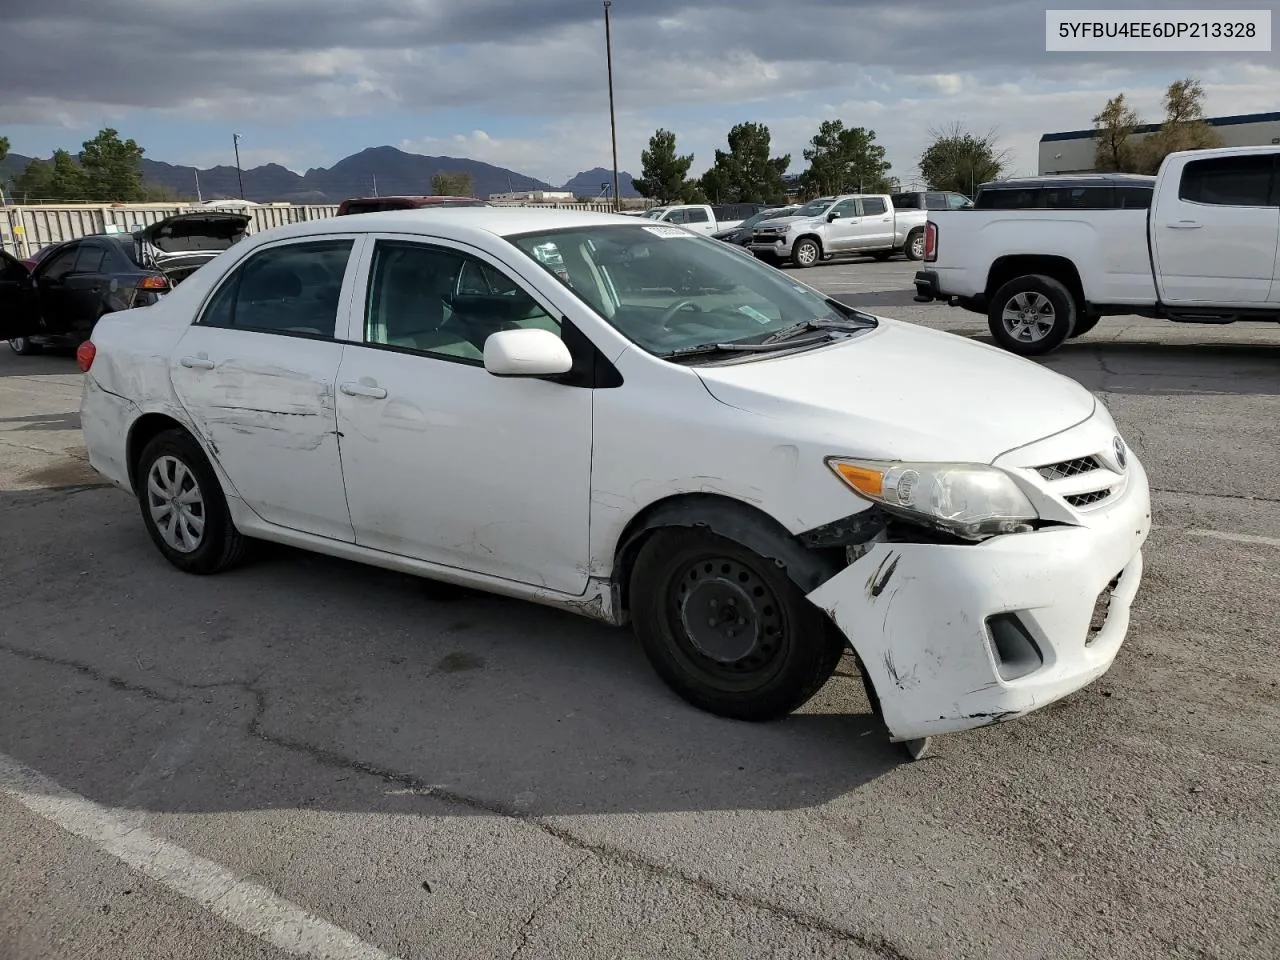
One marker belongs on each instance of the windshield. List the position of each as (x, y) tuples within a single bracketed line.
[(765, 215), (814, 208), (669, 290), (655, 214)]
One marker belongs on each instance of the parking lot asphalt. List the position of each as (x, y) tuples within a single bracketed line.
[(310, 757)]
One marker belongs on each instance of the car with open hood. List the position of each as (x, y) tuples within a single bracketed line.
[(55, 299), (620, 418)]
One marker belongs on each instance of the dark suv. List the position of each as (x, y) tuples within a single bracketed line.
[(1084, 191), (931, 200)]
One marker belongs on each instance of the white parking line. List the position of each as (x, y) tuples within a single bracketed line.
[(1234, 537), (248, 906)]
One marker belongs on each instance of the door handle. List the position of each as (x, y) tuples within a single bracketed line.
[(196, 363), (887, 219), (1184, 225), (353, 389)]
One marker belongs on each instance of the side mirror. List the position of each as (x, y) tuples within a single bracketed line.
[(526, 353), (832, 217)]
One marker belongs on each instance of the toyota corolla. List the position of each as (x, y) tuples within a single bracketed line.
[(631, 422)]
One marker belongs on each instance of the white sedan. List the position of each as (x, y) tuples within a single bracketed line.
[(625, 420)]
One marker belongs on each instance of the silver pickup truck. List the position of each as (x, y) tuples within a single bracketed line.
[(853, 225)]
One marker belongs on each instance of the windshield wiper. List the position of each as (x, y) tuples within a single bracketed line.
[(817, 323), (766, 346)]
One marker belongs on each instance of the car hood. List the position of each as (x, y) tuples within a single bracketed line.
[(905, 392), (196, 232), (787, 221)]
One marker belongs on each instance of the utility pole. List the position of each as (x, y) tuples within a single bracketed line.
[(199, 198), (375, 184), (235, 139), (613, 122)]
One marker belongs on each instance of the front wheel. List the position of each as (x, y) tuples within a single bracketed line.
[(726, 629), (183, 507), (914, 247), (806, 253), (23, 346), (1032, 315)]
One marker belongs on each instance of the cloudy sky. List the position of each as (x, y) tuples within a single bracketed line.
[(521, 83)]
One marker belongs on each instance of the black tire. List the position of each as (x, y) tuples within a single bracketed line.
[(1041, 307), (23, 346), (913, 249), (1084, 323), (765, 673), (220, 545), (806, 252)]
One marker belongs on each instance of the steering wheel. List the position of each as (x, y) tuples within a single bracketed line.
[(669, 314)]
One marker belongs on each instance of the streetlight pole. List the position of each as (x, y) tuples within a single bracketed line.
[(613, 122), (235, 139)]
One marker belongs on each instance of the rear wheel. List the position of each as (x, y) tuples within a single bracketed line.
[(726, 629), (1084, 324), (806, 252), (914, 247), (183, 507), (23, 346), (1032, 315)]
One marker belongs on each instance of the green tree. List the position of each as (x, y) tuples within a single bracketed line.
[(960, 161), (1114, 149), (665, 174), (1184, 128), (60, 178), (747, 174), (4, 148), (112, 167), (843, 160), (453, 184)]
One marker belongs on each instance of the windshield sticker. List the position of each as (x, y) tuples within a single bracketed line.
[(754, 314), (668, 232)]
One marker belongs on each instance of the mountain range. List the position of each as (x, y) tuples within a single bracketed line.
[(386, 171)]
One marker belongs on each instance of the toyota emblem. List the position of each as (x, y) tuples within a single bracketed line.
[(1121, 451)]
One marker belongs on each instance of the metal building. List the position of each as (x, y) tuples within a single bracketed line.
[(1073, 151)]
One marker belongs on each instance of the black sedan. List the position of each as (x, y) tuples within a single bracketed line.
[(56, 303), (741, 234)]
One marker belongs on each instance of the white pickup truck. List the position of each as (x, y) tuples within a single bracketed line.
[(1205, 252), (702, 217)]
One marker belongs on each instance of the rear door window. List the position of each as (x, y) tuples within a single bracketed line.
[(935, 201), (1009, 199), (1229, 181), (290, 289), (90, 259), (697, 215), (873, 207), (1079, 198), (906, 201)]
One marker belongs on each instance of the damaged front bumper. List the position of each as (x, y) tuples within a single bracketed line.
[(960, 636)]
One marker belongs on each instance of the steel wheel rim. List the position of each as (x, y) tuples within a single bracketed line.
[(807, 253), (707, 601), (18, 344), (176, 504), (917, 248), (1028, 317)]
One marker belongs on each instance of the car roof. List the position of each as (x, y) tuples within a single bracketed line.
[(461, 222)]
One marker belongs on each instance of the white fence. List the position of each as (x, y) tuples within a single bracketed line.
[(25, 229)]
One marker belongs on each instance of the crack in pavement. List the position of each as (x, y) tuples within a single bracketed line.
[(1216, 496), (526, 927), (872, 943)]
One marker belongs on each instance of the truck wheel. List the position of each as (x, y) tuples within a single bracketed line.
[(726, 629), (1084, 324), (1032, 315), (806, 252), (23, 346), (914, 247)]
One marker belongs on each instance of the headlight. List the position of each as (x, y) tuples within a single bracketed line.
[(970, 500)]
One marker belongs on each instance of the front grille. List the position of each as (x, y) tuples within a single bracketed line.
[(1069, 468), (1080, 500)]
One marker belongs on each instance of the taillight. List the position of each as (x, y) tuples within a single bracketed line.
[(85, 354), (931, 241), (154, 282)]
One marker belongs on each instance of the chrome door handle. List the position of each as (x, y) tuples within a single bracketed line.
[(353, 389), (196, 363), (1184, 225)]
